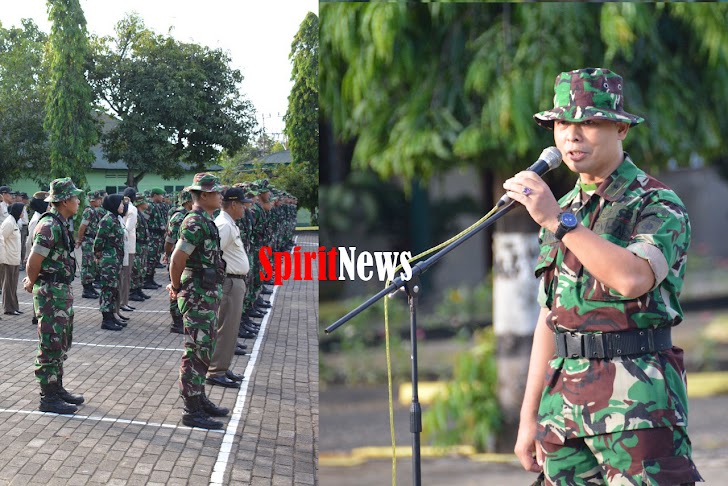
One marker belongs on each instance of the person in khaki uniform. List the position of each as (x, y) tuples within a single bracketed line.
[(233, 289)]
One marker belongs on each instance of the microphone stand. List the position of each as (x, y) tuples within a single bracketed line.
[(412, 288)]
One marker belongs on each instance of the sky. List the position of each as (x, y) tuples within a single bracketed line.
[(256, 33)]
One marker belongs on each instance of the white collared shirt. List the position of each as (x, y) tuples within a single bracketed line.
[(233, 251)]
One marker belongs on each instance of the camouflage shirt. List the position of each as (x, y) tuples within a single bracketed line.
[(175, 221), (142, 231), (157, 218), (109, 242), (199, 239), (90, 218), (49, 241), (586, 397)]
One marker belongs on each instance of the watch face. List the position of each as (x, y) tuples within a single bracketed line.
[(569, 220)]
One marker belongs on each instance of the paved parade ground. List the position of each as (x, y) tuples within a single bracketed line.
[(130, 429)]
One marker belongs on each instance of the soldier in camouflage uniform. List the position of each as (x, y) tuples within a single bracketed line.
[(197, 271), (175, 221), (263, 234), (49, 273), (139, 265), (157, 229), (606, 399), (109, 253), (86, 234)]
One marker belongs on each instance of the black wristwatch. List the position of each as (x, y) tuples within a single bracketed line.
[(567, 222)]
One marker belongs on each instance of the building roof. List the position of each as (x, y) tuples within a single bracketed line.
[(282, 157), (101, 163)]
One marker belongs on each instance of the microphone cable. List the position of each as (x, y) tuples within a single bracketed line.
[(386, 326)]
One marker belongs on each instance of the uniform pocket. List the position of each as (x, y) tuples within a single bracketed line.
[(669, 470)]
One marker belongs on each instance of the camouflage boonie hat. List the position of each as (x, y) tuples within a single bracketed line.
[(205, 182), (585, 94), (62, 189), (184, 196), (140, 199)]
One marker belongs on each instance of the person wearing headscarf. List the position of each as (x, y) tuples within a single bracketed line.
[(130, 223), (39, 206), (109, 252), (10, 240)]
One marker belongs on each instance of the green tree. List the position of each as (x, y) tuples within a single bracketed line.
[(302, 116), (423, 87), (172, 103), (23, 145), (69, 107)]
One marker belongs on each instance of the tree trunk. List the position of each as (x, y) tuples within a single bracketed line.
[(515, 312)]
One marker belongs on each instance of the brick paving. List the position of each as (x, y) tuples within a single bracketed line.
[(130, 429)]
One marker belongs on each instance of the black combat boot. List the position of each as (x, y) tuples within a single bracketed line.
[(212, 409), (256, 313), (247, 321), (178, 326), (51, 401), (136, 296), (66, 396), (251, 329), (108, 322), (260, 302), (89, 292), (265, 290), (120, 320), (195, 415), (243, 334)]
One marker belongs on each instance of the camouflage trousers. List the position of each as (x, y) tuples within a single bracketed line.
[(138, 270), (632, 457), (253, 284), (109, 299), (89, 267), (173, 307), (53, 304), (155, 247), (199, 313)]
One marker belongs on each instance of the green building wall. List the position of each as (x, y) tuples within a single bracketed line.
[(113, 181)]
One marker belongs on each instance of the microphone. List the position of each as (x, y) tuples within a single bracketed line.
[(549, 159)]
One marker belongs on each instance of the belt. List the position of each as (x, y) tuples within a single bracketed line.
[(610, 344), (54, 278), (232, 275)]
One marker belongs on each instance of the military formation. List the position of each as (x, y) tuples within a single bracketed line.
[(176, 243)]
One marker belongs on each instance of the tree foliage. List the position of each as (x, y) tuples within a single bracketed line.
[(69, 118), (173, 103), (422, 87), (302, 116), (23, 145)]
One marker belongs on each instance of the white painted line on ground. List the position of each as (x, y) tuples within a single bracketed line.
[(223, 457), (108, 419), (218, 471), (98, 345)]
